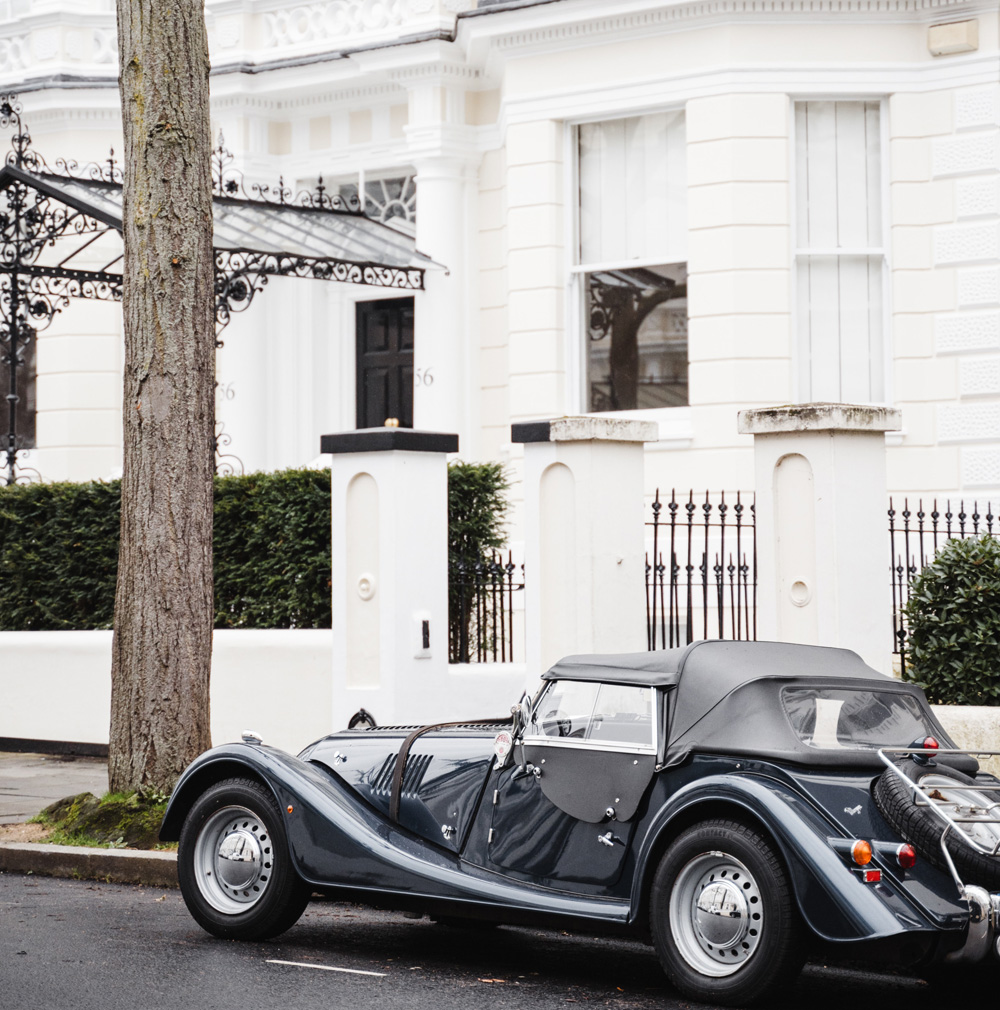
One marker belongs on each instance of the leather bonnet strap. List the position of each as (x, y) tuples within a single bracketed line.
[(404, 753)]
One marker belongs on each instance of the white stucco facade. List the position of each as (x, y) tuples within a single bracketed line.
[(490, 108)]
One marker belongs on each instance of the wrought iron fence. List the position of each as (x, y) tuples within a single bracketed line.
[(481, 611), (701, 576), (914, 538)]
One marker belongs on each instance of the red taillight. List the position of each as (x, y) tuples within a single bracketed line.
[(906, 856), (873, 876), (861, 852), (930, 743)]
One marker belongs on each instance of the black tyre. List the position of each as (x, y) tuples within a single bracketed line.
[(922, 828), (233, 864), (723, 917)]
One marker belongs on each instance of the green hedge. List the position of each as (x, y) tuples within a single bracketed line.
[(59, 553), (953, 617), (272, 550), (58, 556)]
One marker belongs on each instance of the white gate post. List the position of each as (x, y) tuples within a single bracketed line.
[(389, 490), (584, 546), (821, 515)]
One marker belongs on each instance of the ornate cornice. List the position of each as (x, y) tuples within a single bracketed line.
[(383, 39), (551, 26)]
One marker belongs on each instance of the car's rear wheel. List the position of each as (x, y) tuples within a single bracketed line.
[(723, 916), (233, 864)]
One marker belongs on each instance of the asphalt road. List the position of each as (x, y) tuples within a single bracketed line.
[(75, 945)]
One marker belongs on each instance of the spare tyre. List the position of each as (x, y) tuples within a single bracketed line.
[(959, 796)]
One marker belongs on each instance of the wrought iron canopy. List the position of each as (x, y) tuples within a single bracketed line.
[(60, 238)]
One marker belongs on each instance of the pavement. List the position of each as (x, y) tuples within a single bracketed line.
[(28, 784)]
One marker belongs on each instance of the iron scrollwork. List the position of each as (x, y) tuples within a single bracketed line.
[(226, 463), (31, 221), (228, 182), (31, 293), (239, 275)]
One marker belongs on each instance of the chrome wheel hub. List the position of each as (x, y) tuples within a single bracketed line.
[(232, 859), (238, 862), (716, 914), (720, 915)]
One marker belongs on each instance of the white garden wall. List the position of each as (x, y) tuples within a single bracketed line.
[(974, 727), (56, 686)]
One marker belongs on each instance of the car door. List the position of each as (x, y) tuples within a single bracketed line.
[(567, 810)]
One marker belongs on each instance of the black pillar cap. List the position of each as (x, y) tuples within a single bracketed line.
[(388, 439), (531, 431)]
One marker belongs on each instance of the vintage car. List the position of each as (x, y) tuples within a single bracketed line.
[(741, 805)]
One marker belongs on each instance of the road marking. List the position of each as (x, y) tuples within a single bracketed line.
[(326, 967)]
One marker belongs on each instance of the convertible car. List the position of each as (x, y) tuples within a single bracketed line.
[(740, 805)]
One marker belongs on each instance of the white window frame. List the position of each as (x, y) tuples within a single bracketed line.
[(800, 362), (676, 430)]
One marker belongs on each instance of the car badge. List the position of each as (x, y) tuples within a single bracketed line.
[(503, 743), (853, 810)]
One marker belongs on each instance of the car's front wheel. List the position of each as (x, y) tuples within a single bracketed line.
[(723, 916), (233, 865)]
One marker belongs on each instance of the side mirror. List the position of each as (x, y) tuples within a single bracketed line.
[(525, 704), (521, 713), (525, 710)]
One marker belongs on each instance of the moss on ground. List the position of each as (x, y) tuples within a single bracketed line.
[(117, 820)]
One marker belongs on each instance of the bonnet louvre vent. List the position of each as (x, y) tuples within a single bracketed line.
[(416, 769)]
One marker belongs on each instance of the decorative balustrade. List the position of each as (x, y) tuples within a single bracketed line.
[(256, 33)]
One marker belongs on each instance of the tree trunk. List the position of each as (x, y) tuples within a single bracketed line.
[(163, 605)]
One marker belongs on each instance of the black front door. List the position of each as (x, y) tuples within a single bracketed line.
[(385, 362)]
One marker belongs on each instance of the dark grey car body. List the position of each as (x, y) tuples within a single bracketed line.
[(571, 832)]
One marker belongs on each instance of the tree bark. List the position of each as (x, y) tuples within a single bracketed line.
[(161, 656)]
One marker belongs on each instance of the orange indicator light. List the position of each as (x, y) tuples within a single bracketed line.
[(861, 852), (290, 808)]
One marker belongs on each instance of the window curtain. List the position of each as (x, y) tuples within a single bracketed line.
[(840, 258), (633, 190)]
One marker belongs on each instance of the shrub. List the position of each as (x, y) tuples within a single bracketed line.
[(953, 615), (477, 508), (59, 547), (272, 550), (59, 553)]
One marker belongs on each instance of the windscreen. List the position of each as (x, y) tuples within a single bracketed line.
[(833, 719), (603, 714)]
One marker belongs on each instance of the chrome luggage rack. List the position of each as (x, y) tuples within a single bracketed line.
[(957, 818)]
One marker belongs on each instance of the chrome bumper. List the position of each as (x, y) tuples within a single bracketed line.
[(984, 926)]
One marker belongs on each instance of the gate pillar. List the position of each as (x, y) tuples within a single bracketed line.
[(584, 554), (389, 586), (822, 549)]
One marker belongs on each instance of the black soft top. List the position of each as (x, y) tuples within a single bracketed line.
[(718, 665), (724, 696)]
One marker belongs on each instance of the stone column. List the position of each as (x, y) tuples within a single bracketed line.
[(584, 547), (822, 546), (443, 149), (389, 572), (441, 348)]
